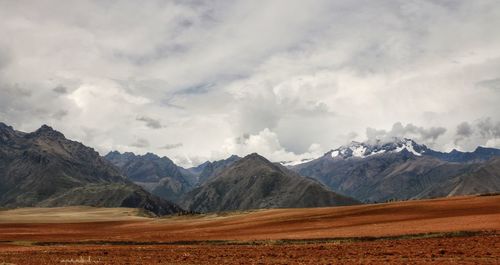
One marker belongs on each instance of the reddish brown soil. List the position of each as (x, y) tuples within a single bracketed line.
[(444, 215), (484, 249)]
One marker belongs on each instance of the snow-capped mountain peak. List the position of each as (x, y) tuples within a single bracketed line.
[(361, 150), (296, 162), (366, 149)]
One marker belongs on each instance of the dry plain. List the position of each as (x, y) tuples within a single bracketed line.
[(460, 230)]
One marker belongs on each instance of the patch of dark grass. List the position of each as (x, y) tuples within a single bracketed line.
[(370, 238), (275, 242), (489, 194)]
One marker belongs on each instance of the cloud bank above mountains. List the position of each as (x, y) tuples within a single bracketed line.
[(197, 80)]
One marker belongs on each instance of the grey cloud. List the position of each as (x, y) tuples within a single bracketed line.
[(15, 91), (431, 133), (411, 131), (352, 135), (242, 139), (60, 114), (30, 104), (488, 128), (140, 143), (197, 89), (159, 53), (314, 109), (5, 57), (150, 122), (374, 134), (256, 114), (490, 83), (60, 89), (153, 88), (484, 131), (464, 129), (171, 146), (170, 102), (89, 134)]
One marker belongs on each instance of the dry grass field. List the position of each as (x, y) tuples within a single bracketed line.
[(453, 230), (77, 214)]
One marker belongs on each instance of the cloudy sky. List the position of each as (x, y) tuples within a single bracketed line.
[(198, 80)]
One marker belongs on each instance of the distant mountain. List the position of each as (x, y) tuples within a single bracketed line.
[(363, 150), (483, 179), (162, 177), (196, 170), (481, 154), (253, 182), (43, 168), (401, 169), (212, 169), (159, 175)]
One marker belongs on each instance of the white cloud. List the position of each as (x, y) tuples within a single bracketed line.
[(202, 72), (495, 143), (266, 143)]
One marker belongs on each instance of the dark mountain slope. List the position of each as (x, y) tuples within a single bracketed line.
[(44, 168), (481, 179), (253, 182), (159, 175)]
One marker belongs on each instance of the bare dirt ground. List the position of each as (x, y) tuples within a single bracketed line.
[(421, 232)]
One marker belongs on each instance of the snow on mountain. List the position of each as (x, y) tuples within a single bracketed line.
[(296, 162), (408, 145), (361, 150)]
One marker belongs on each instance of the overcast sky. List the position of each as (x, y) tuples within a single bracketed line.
[(198, 80)]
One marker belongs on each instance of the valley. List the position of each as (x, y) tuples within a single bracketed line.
[(441, 230)]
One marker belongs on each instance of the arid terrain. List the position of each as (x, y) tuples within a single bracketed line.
[(454, 230)]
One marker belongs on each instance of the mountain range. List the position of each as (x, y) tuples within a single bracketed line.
[(44, 169), (401, 169), (158, 175), (254, 182), (162, 177)]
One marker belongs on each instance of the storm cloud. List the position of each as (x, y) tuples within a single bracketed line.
[(288, 79)]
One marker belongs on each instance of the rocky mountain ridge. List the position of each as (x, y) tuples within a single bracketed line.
[(43, 168), (253, 182), (159, 175), (401, 169)]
